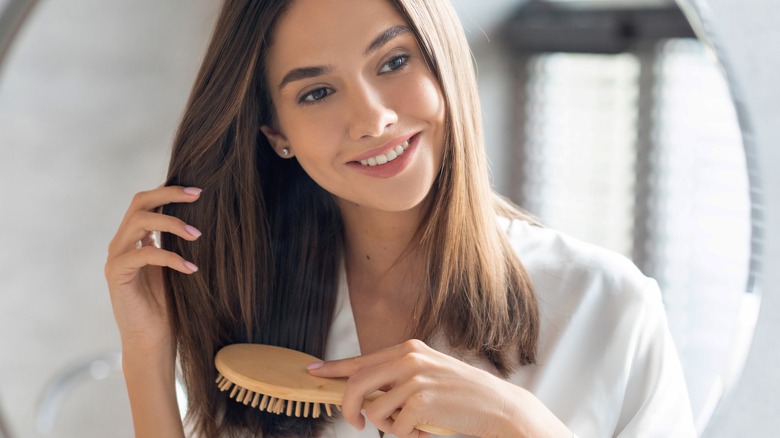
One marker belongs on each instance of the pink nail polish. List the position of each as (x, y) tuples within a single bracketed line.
[(314, 366), (191, 266), (192, 191), (192, 230)]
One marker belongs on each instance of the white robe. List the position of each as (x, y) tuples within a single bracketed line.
[(606, 364)]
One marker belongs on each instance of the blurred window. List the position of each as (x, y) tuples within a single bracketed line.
[(641, 152)]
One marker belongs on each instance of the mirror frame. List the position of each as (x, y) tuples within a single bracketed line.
[(701, 19), (13, 13)]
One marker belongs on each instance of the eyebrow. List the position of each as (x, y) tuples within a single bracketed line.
[(384, 37), (312, 72)]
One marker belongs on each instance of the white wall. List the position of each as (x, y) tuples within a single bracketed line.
[(90, 95)]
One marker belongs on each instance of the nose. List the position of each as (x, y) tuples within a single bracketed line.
[(370, 114)]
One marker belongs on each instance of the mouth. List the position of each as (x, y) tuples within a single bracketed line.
[(388, 155), (381, 159)]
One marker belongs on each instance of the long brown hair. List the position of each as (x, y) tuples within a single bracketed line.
[(272, 238)]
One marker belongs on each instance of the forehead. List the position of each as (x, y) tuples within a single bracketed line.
[(312, 32)]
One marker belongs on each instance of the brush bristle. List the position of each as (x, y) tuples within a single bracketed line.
[(274, 405)]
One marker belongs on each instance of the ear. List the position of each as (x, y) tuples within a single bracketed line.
[(278, 141)]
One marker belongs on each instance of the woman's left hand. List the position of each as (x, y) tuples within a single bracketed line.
[(432, 388)]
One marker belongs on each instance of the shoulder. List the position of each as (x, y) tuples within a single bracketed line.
[(607, 364), (592, 301), (568, 271)]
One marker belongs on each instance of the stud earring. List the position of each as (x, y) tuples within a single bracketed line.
[(286, 152)]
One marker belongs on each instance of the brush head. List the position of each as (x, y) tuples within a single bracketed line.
[(276, 379)]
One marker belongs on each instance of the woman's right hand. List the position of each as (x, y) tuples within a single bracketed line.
[(134, 268)]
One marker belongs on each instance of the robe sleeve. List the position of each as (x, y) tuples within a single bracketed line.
[(656, 402)]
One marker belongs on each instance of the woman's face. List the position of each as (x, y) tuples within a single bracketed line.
[(356, 103)]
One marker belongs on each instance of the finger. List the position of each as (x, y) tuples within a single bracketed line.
[(384, 424), (413, 395), (338, 368), (404, 425), (363, 386), (350, 366), (151, 238), (382, 409), (387, 422), (409, 370), (142, 223), (420, 410), (360, 423), (152, 199), (403, 429), (125, 267)]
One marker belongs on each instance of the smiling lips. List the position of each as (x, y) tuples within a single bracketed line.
[(388, 157)]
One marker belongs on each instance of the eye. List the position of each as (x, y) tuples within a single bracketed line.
[(315, 95), (394, 64)]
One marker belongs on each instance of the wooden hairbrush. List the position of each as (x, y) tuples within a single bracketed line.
[(276, 380)]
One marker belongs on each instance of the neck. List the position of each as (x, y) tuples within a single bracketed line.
[(379, 243), (384, 272)]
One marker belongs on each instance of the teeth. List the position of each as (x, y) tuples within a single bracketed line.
[(386, 158)]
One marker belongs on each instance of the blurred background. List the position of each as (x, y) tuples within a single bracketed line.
[(609, 120)]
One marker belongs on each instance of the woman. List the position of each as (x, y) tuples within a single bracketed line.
[(331, 153)]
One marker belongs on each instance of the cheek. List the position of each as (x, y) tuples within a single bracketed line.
[(424, 100), (316, 146), (311, 136)]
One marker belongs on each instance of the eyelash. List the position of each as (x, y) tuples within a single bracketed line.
[(304, 100), (404, 59), (308, 99)]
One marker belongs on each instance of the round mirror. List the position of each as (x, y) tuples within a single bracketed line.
[(627, 138), (615, 122)]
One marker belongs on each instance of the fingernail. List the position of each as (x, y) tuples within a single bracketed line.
[(191, 266), (192, 230), (192, 191), (314, 366)]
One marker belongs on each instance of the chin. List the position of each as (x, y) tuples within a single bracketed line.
[(391, 204), (400, 205)]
